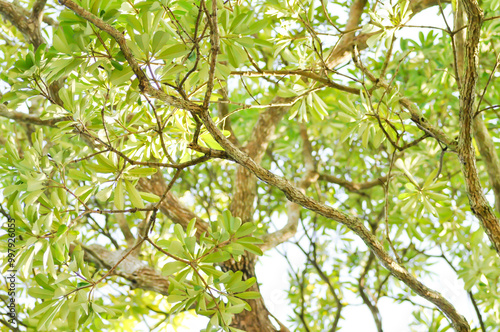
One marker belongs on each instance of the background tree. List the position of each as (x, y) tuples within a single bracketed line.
[(151, 150)]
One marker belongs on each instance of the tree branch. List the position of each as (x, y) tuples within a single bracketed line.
[(37, 11), (302, 73), (245, 185), (29, 27), (30, 119), (122, 223), (361, 287), (344, 46), (477, 200), (489, 156), (353, 186), (131, 268), (356, 225), (171, 206), (342, 52), (119, 37), (416, 115)]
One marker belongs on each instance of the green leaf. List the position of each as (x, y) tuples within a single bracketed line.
[(217, 257), (252, 248), (118, 77), (245, 229), (134, 195), (119, 201), (172, 267), (142, 172), (149, 197), (249, 295), (160, 38), (103, 195), (41, 293), (175, 51), (49, 316), (402, 166)]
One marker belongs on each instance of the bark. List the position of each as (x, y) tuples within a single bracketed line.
[(30, 119), (28, 26), (310, 176), (477, 200), (138, 273), (489, 156), (295, 195), (354, 186), (341, 52), (481, 134)]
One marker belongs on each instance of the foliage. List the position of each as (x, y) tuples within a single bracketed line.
[(133, 134)]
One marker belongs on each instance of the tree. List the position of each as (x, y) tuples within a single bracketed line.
[(150, 148)]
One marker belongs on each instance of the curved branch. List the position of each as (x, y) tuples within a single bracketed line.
[(342, 52), (356, 225), (361, 287)]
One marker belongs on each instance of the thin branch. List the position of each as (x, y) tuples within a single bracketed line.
[(361, 287), (353, 186), (119, 37), (303, 73)]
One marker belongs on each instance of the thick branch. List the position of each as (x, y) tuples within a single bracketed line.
[(356, 225), (245, 186), (131, 268), (477, 200), (489, 156), (342, 52), (37, 11), (29, 27), (45, 19), (346, 42), (30, 119), (171, 206)]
